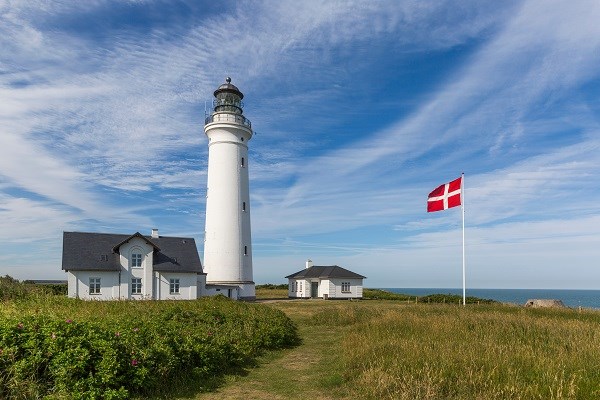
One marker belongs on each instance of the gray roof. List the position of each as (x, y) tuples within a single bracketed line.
[(83, 251), (325, 271)]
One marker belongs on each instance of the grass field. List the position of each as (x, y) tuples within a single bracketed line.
[(396, 350), (369, 349)]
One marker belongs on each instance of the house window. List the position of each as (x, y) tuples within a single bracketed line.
[(136, 260), (345, 287), (136, 285), (174, 286), (94, 285)]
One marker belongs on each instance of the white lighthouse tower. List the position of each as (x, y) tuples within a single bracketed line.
[(227, 240)]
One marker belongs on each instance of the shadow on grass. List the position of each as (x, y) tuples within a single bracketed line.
[(189, 385)]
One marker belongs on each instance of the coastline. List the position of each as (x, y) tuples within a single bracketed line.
[(573, 298)]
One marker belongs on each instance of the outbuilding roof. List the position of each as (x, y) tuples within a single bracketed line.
[(325, 271), (84, 251)]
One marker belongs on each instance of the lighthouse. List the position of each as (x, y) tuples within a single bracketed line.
[(227, 237)]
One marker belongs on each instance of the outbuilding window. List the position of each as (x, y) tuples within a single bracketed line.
[(345, 287)]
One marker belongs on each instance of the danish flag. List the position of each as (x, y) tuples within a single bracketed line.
[(445, 196)]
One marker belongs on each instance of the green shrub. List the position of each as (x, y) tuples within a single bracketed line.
[(453, 299), (114, 350), (379, 294), (12, 289), (272, 286)]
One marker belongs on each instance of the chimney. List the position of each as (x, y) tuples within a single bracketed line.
[(154, 233), (309, 263)]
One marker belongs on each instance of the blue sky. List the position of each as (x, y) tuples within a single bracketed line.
[(359, 108)]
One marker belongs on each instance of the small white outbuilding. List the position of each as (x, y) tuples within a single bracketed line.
[(326, 282)]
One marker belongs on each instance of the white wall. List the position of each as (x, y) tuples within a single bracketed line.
[(227, 231), (300, 289), (329, 288), (233, 292), (79, 282), (188, 289), (335, 288)]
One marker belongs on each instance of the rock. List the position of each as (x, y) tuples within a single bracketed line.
[(547, 303)]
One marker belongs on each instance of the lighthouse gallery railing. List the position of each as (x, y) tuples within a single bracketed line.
[(227, 117)]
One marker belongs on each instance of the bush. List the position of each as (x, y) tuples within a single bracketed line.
[(379, 294), (272, 286), (12, 289), (129, 349), (453, 299)]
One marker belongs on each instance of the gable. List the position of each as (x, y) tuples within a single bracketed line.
[(117, 247)]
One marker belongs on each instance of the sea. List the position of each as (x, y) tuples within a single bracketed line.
[(570, 298)]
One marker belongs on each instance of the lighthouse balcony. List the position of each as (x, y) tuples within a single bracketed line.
[(227, 117)]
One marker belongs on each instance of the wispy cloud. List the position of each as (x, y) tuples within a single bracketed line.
[(102, 112)]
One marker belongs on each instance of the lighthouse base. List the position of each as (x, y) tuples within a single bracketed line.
[(234, 290)]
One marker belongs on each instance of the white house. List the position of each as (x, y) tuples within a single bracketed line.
[(327, 282), (107, 266)]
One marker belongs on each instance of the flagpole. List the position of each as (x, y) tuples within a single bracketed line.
[(462, 206)]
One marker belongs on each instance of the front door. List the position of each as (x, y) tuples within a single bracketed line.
[(314, 290)]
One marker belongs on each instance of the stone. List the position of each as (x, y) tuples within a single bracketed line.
[(545, 303)]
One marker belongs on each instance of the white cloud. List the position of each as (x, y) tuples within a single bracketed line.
[(110, 123)]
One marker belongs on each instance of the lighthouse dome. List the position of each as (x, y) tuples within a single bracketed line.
[(228, 87)]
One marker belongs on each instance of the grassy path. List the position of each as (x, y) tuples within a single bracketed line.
[(307, 371), (388, 350)]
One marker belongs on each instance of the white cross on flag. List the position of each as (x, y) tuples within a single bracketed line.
[(445, 196)]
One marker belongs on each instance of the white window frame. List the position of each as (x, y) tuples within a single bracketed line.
[(346, 287), (174, 286), (136, 260), (95, 285), (136, 285)]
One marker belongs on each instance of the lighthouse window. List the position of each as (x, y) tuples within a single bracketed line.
[(245, 250), (244, 206), (242, 139), (242, 162)]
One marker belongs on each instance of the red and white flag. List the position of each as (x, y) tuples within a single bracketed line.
[(445, 196)]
